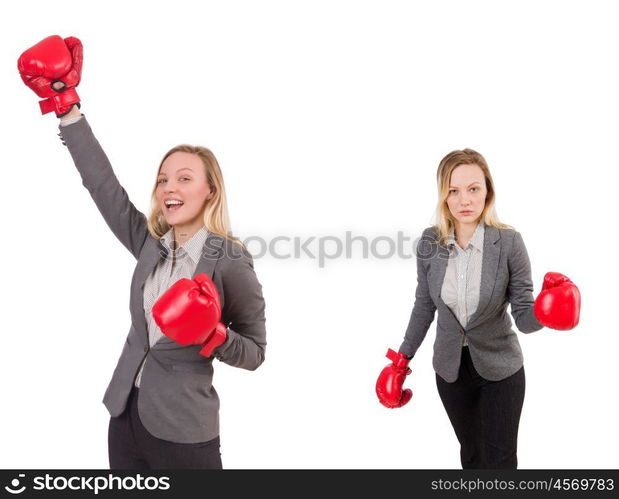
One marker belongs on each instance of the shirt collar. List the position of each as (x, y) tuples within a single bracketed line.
[(477, 241), (193, 246)]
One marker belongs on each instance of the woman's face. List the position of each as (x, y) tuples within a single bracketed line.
[(467, 193), (182, 179)]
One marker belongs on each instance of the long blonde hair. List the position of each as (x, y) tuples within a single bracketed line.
[(444, 219), (215, 214)]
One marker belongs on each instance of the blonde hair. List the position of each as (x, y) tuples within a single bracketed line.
[(216, 219), (444, 219)]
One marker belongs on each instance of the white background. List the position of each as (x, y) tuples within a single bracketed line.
[(325, 117)]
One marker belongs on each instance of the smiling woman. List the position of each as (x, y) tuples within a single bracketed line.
[(189, 269), (203, 303), (189, 193)]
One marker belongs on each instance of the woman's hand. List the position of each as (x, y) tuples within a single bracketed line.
[(52, 69), (391, 379), (190, 312), (558, 304)]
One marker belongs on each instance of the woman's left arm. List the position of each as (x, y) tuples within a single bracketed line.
[(244, 310), (520, 287)]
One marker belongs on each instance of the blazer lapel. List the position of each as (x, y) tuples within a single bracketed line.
[(489, 267), (149, 257), (211, 252), (438, 267)]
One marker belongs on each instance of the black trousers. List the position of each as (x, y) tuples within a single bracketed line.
[(485, 415), (131, 446)]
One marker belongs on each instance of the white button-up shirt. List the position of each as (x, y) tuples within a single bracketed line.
[(461, 286)]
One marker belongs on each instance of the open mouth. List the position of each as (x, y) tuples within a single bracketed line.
[(173, 205)]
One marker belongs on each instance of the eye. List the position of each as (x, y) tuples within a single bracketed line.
[(186, 178), (474, 188), (161, 180), (451, 190)]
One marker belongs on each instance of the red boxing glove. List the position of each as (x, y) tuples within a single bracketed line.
[(50, 61), (190, 312), (558, 304), (391, 379)]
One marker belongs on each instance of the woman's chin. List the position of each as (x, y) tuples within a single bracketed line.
[(172, 220), (177, 220)]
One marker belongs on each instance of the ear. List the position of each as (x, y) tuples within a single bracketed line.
[(211, 191)]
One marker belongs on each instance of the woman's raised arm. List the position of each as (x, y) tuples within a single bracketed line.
[(126, 221)]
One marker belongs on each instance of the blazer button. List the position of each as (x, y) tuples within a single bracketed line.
[(145, 349)]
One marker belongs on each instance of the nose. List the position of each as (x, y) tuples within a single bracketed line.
[(465, 200), (169, 187)]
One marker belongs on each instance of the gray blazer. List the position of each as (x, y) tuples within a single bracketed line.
[(505, 278), (177, 401)]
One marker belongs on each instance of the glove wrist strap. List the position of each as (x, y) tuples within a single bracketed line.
[(61, 104), (399, 359), (217, 338)]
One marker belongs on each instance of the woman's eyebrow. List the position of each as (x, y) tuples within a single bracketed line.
[(186, 168), (472, 183)]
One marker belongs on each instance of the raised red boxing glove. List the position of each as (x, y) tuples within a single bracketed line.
[(391, 379), (558, 304), (190, 312), (47, 64)]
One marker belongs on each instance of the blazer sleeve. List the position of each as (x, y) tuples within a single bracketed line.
[(424, 308), (126, 221), (520, 288), (244, 311)]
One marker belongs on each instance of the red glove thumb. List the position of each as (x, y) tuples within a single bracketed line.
[(207, 286)]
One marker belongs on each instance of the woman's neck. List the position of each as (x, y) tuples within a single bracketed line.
[(464, 232)]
